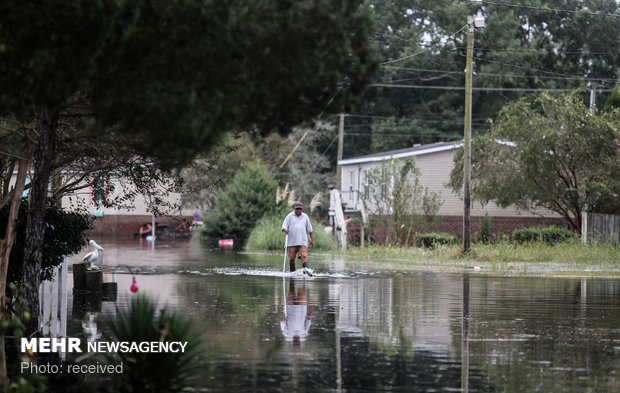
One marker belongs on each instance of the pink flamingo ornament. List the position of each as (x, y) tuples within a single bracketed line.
[(134, 286)]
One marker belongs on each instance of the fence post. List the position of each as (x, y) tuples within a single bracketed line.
[(584, 227)]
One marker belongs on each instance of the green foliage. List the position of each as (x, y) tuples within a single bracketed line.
[(540, 258), (323, 240), (484, 235), (64, 235), (434, 239), (397, 201), (15, 312), (268, 235), (12, 328), (423, 44), (166, 80), (155, 372), (246, 199), (150, 67), (554, 153), (393, 118), (393, 133), (550, 235), (613, 101), (306, 173), (309, 170)]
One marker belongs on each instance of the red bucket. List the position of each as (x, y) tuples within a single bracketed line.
[(225, 243)]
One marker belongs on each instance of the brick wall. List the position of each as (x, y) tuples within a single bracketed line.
[(500, 226)]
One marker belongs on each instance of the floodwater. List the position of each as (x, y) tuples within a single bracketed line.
[(354, 330)]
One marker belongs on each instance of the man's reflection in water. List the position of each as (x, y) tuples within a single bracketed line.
[(297, 313)]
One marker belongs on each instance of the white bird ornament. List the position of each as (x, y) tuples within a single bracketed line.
[(94, 259)]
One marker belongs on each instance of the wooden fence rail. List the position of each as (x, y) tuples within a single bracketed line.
[(600, 228)]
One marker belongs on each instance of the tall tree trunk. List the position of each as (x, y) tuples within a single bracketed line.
[(35, 224), (6, 244)]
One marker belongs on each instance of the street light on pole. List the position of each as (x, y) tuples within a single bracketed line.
[(473, 22)]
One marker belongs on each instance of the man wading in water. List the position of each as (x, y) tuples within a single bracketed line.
[(297, 227)]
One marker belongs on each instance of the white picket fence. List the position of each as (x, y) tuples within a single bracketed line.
[(53, 303), (339, 224), (600, 228)]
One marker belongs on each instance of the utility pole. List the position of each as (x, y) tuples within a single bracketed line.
[(472, 23), (340, 148), (467, 140)]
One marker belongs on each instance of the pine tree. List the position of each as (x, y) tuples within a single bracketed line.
[(250, 196)]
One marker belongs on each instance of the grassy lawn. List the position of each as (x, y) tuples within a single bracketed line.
[(564, 259)]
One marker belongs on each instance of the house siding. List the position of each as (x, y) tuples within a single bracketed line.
[(120, 221), (435, 167), (84, 197)]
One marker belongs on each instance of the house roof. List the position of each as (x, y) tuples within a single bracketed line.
[(417, 150)]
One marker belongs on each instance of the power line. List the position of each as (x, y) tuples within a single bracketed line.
[(399, 118), (520, 67), (552, 74), (534, 50), (404, 58), (530, 7), (330, 145), (395, 135), (423, 50), (410, 123), (450, 44), (573, 77), (558, 77), (447, 45), (406, 122), (480, 122), (429, 87), (352, 126)]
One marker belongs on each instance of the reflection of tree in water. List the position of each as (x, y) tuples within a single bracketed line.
[(388, 323), (367, 367), (249, 353), (555, 329), (364, 367), (234, 314)]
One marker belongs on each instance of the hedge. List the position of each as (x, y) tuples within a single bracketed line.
[(432, 239), (550, 235)]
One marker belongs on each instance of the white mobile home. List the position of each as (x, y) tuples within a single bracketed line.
[(85, 196), (435, 162), (120, 220)]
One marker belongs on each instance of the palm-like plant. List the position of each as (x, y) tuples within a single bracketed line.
[(155, 372)]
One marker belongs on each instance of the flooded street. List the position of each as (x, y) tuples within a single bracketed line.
[(350, 329)]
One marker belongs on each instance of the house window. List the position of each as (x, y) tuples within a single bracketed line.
[(99, 190), (351, 180), (383, 183)]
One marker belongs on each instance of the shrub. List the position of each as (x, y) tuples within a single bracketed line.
[(433, 239), (65, 234), (550, 235), (613, 100), (484, 235), (247, 198), (267, 234), (150, 371), (397, 200), (15, 315)]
